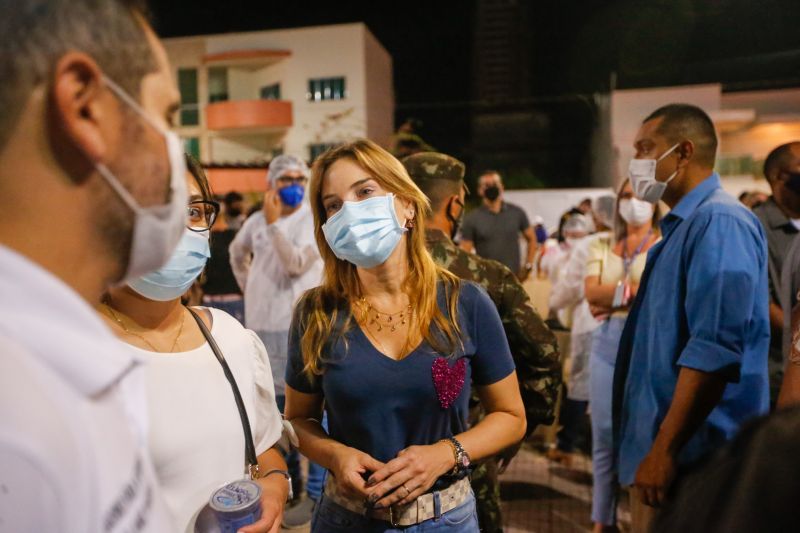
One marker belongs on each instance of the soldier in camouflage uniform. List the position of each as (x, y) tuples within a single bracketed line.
[(533, 345)]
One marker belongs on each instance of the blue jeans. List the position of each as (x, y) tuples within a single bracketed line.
[(332, 518), (292, 458), (316, 474), (235, 308), (604, 353)]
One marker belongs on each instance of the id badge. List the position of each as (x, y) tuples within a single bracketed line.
[(619, 296), (622, 295)]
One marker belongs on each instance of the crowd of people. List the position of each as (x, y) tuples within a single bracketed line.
[(159, 343)]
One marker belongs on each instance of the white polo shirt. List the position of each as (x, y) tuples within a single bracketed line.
[(73, 448)]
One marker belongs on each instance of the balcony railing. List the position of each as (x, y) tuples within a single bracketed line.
[(249, 115)]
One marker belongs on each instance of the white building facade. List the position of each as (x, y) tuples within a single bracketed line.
[(247, 97), (749, 125)]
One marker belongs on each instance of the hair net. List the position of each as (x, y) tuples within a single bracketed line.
[(578, 223), (284, 164), (603, 207)]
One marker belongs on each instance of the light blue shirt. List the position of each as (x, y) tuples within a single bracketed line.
[(704, 304)]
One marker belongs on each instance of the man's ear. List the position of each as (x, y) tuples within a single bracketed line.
[(685, 153), (451, 201), (82, 115)]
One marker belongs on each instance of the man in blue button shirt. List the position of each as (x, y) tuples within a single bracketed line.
[(692, 363)]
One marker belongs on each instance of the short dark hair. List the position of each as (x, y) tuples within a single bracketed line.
[(688, 122), (34, 34), (778, 157), (196, 170), (489, 172), (439, 190), (232, 197)]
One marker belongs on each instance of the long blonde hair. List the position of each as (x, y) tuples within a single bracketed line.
[(324, 314)]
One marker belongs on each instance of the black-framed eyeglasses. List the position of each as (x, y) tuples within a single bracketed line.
[(202, 214)]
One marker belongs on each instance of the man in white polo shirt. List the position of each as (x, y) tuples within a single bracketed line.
[(92, 191)]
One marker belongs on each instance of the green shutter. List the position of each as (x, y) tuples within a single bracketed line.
[(187, 84), (191, 146)]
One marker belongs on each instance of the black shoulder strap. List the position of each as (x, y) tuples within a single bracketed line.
[(249, 447)]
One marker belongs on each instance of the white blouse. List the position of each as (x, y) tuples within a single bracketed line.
[(196, 437)]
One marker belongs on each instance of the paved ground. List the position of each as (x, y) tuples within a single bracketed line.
[(545, 497), (540, 496)]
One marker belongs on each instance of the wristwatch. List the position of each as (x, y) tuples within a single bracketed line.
[(528, 266), (288, 477), (460, 454)]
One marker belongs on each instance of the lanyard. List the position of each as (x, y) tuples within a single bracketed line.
[(628, 261)]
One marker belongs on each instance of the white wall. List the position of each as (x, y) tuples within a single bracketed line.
[(380, 91), (347, 50), (239, 148), (629, 107), (241, 84), (316, 52), (550, 204)]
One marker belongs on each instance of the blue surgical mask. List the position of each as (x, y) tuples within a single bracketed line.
[(292, 195), (173, 279), (364, 233)]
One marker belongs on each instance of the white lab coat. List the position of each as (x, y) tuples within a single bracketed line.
[(568, 296), (274, 265)]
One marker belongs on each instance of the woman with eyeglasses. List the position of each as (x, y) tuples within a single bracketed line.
[(391, 344), (196, 437)]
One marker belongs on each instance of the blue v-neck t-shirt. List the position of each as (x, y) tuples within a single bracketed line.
[(380, 405)]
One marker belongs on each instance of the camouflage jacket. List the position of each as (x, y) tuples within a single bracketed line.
[(533, 345)]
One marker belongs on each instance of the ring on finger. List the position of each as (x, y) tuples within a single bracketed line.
[(406, 489)]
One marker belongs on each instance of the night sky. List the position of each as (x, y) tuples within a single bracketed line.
[(573, 46), (430, 47)]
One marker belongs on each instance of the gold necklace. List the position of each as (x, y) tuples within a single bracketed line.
[(150, 344), (385, 320), (389, 320)]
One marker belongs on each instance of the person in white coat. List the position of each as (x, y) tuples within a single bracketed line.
[(568, 299), (275, 260)]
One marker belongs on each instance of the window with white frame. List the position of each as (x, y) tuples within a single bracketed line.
[(321, 89)]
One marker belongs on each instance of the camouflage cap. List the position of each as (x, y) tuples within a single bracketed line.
[(433, 166)]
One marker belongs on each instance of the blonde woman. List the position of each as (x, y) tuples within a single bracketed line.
[(390, 344), (613, 271)]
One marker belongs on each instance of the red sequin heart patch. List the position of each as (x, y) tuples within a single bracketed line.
[(448, 381)]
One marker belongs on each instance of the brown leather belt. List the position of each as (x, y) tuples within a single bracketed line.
[(421, 509)]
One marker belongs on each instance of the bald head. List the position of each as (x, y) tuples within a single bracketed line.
[(784, 156)]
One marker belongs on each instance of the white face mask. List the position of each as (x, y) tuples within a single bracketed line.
[(636, 212), (642, 173), (156, 229)]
